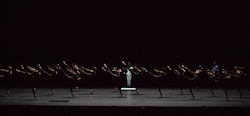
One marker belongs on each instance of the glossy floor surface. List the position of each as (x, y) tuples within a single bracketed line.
[(108, 102), (108, 97)]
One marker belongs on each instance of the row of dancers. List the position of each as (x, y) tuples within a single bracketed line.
[(75, 73), (186, 76)]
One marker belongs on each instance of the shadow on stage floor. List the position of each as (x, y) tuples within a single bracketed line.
[(108, 102)]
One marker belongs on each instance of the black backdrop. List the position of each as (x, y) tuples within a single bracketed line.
[(150, 34)]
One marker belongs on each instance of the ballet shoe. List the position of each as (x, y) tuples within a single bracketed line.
[(193, 96)]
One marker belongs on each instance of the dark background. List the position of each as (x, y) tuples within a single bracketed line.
[(150, 34)]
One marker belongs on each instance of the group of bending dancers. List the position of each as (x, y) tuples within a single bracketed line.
[(186, 76), (73, 74), (129, 74)]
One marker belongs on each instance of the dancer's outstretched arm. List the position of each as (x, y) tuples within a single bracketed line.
[(139, 70), (160, 71), (65, 73), (82, 69), (50, 68), (75, 66), (9, 70), (105, 68), (32, 69), (20, 71), (116, 75), (69, 69), (4, 70), (90, 70), (40, 67), (154, 75), (24, 71)]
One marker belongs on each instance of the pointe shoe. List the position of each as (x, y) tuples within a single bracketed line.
[(73, 95), (137, 91), (8, 92), (193, 96), (226, 97), (91, 91), (53, 92), (115, 89)]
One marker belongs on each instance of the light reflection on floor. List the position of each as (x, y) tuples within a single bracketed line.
[(108, 97)]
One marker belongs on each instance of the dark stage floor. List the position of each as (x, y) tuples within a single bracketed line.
[(108, 101)]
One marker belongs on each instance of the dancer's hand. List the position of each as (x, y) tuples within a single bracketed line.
[(105, 65), (59, 66), (39, 65), (104, 69), (82, 68), (10, 67), (144, 69), (123, 63), (18, 70), (22, 66), (64, 63)]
